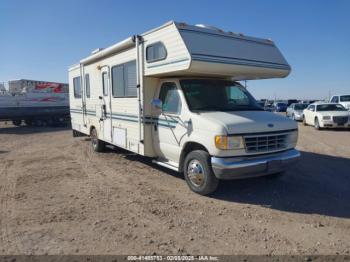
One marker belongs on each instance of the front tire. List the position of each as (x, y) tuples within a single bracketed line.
[(304, 121), (97, 145), (317, 124), (199, 174)]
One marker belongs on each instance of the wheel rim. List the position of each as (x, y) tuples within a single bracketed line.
[(195, 173), (316, 123)]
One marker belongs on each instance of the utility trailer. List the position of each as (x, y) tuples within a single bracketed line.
[(172, 94), (46, 104)]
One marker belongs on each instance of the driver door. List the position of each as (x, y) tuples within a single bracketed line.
[(170, 124)]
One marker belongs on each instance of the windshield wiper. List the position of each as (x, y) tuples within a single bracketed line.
[(204, 108)]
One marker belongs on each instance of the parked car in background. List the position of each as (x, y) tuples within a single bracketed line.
[(344, 100), (269, 106), (326, 115), (261, 104), (295, 111), (279, 107), (292, 101), (307, 101)]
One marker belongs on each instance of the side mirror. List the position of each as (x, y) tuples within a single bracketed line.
[(157, 103)]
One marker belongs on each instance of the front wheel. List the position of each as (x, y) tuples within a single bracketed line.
[(304, 121), (317, 124), (97, 145), (199, 174)]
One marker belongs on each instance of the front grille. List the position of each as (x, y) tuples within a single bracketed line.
[(265, 143), (340, 120)]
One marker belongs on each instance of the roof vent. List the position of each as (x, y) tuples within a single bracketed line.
[(210, 27), (96, 50)]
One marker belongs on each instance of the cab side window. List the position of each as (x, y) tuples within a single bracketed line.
[(335, 99), (169, 95), (311, 108)]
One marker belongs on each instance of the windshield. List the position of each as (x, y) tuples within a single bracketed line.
[(300, 106), (345, 98), (217, 95), (330, 107), (281, 104)]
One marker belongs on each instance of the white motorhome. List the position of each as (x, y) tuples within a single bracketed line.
[(172, 94)]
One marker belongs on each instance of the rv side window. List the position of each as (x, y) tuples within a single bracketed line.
[(105, 83), (124, 80), (169, 95), (155, 52), (87, 85), (76, 86)]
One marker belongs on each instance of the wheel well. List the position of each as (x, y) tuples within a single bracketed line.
[(91, 127), (189, 147)]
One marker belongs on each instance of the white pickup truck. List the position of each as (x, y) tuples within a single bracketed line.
[(173, 94), (344, 100)]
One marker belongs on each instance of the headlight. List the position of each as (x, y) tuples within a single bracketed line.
[(326, 117), (229, 142)]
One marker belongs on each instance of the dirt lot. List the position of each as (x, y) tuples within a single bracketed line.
[(58, 197)]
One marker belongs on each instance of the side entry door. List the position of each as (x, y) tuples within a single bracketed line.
[(170, 124), (106, 119)]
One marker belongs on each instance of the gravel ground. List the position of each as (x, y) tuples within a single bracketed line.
[(59, 197)]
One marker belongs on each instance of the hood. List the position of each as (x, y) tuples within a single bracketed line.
[(333, 113), (238, 122)]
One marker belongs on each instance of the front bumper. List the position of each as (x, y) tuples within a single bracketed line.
[(331, 124), (298, 117), (244, 167)]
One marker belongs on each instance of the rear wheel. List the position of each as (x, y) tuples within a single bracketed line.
[(97, 145), (199, 174), (28, 122), (17, 122), (38, 122), (317, 124)]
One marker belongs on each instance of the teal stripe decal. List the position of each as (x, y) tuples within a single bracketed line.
[(235, 62), (169, 63), (133, 118)]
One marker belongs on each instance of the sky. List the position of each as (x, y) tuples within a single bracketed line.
[(40, 39)]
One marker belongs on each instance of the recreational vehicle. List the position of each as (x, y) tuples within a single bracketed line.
[(173, 94)]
